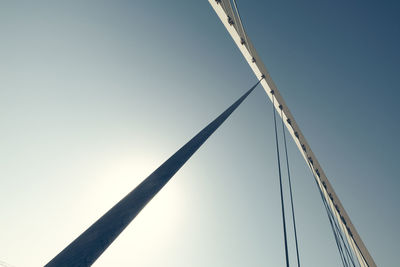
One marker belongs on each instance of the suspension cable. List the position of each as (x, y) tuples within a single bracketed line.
[(330, 222), (348, 255), (290, 189), (241, 24), (345, 255), (345, 252), (280, 180), (334, 230)]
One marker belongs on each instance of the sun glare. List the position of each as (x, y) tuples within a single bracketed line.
[(121, 176)]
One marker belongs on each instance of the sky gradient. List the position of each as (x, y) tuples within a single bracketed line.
[(95, 95)]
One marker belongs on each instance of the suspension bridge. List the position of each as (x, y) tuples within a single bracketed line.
[(89, 246)]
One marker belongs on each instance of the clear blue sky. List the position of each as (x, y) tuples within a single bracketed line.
[(94, 95)]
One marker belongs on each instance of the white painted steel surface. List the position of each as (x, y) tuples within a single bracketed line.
[(224, 11)]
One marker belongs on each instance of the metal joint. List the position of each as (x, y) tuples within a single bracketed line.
[(337, 208), (304, 148), (350, 233), (230, 21)]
